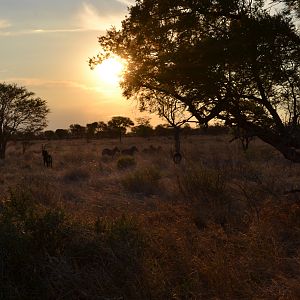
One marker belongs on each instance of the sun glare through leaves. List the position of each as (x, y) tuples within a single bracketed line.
[(110, 71)]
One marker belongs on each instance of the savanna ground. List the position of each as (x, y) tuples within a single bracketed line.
[(217, 226)]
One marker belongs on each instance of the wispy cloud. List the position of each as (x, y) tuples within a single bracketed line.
[(56, 30), (88, 18), (91, 19), (39, 31), (127, 2), (37, 82), (4, 24)]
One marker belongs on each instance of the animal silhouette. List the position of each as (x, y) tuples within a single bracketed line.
[(110, 152), (47, 158)]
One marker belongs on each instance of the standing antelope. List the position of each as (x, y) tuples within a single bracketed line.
[(47, 158)]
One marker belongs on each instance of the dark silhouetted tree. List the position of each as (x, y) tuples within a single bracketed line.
[(49, 134), (162, 130), (119, 125), (144, 128), (102, 129), (227, 60), (62, 133), (20, 112), (77, 131), (91, 130)]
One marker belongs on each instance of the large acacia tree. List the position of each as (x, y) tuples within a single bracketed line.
[(20, 112), (227, 59)]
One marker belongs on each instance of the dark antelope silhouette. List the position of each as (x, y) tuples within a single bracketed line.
[(130, 151), (47, 158), (110, 152)]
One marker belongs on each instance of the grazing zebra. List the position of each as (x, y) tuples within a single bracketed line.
[(110, 152), (47, 158), (130, 151)]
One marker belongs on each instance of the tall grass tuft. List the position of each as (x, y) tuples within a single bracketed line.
[(126, 162), (206, 190), (62, 257), (144, 181), (76, 175)]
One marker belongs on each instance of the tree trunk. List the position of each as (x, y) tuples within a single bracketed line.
[(2, 148), (288, 147), (288, 152), (177, 139)]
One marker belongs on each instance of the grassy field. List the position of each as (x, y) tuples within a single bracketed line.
[(218, 226)]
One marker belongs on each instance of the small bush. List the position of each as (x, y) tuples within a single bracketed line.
[(76, 175), (123, 235), (206, 189), (28, 235), (49, 230), (71, 196), (42, 187), (66, 258), (126, 162), (105, 159), (201, 183), (145, 181)]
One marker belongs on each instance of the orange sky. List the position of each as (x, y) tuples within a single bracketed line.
[(45, 46)]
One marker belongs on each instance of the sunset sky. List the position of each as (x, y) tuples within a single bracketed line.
[(45, 45)]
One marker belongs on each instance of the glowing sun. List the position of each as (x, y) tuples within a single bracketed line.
[(110, 70)]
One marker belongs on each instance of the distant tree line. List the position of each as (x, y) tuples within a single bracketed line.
[(117, 128)]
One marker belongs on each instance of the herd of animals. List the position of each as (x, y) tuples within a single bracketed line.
[(47, 158), (130, 151)]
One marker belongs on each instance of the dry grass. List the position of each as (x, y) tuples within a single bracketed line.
[(217, 226)]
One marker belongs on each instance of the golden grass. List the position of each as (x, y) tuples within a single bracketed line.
[(217, 226)]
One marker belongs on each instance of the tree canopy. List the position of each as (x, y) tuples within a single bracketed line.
[(291, 5), (20, 112), (143, 127), (231, 60), (77, 130), (119, 125)]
